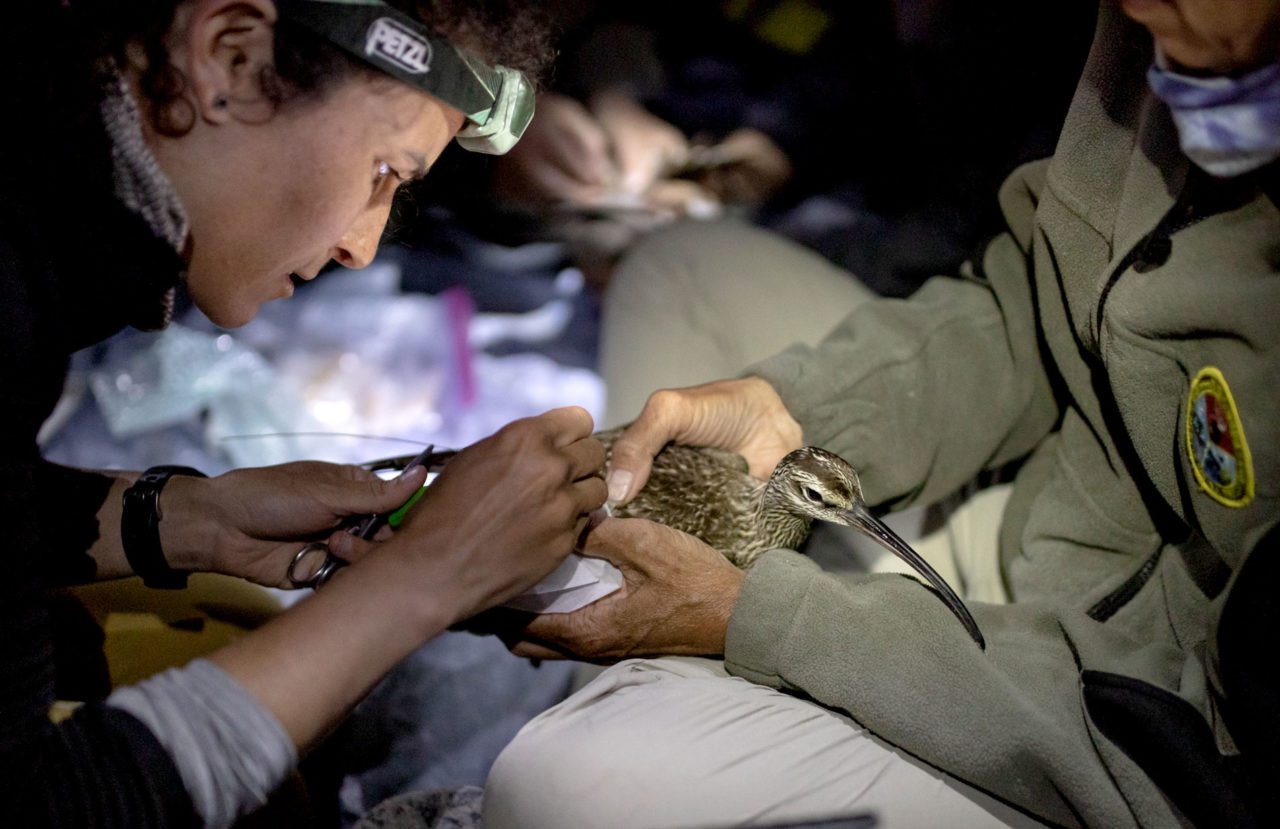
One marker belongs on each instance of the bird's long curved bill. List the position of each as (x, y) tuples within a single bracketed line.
[(861, 518)]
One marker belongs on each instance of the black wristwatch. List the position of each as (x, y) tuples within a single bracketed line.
[(140, 528)]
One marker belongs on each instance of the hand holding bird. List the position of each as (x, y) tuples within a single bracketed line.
[(676, 599), (709, 494), (743, 416), (678, 592)]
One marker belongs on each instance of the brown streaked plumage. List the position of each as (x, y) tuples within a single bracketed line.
[(709, 494)]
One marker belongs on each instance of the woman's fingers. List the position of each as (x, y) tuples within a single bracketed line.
[(591, 495), (351, 490), (347, 547), (508, 509), (566, 425), (586, 458)]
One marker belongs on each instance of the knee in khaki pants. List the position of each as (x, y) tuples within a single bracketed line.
[(701, 301), (677, 742)]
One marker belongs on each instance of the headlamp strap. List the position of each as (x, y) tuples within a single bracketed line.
[(395, 43)]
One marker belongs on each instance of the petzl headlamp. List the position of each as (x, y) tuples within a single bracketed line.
[(497, 101)]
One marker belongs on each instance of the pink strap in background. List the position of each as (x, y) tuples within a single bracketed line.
[(459, 309)]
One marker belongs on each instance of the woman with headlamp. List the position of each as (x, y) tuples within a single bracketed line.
[(235, 146)]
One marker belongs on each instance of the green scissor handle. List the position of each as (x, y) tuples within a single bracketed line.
[(395, 518)]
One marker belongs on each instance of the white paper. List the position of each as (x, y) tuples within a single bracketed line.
[(576, 583)]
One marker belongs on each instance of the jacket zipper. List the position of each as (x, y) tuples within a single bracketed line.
[(1154, 250), (1202, 197)]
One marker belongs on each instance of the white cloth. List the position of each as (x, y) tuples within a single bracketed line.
[(576, 583)]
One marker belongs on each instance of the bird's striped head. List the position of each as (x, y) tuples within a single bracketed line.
[(814, 483)]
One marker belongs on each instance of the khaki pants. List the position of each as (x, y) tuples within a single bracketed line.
[(677, 742), (702, 301)]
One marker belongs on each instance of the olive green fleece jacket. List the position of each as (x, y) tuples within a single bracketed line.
[(1079, 342)]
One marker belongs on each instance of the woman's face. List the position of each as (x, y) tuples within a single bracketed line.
[(278, 190), (269, 199)]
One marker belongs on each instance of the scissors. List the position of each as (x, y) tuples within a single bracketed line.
[(315, 564)]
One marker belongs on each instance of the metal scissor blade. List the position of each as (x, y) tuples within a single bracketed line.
[(434, 459), (368, 526)]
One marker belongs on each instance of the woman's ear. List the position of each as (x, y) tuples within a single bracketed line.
[(226, 45)]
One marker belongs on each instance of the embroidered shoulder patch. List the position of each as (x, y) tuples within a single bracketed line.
[(1215, 440)]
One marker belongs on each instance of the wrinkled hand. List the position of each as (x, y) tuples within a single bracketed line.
[(503, 514), (744, 416), (563, 158), (251, 522), (677, 598)]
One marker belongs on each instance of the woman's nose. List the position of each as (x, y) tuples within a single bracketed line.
[(359, 245)]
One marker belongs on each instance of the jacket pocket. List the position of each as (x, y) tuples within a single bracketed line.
[(1169, 740)]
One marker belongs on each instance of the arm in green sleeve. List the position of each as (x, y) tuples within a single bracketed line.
[(1009, 719), (922, 394)]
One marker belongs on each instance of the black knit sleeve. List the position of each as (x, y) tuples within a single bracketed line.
[(100, 768), (67, 502), (104, 768)]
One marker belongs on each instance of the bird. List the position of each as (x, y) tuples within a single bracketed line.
[(710, 494)]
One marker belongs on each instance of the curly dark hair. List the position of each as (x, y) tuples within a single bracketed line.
[(514, 33)]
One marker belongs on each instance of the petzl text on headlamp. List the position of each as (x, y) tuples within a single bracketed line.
[(497, 101)]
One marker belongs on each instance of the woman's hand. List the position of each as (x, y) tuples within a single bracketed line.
[(677, 598), (755, 168), (646, 148), (744, 416), (504, 513), (251, 522)]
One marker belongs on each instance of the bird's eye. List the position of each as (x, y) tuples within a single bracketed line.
[(813, 495)]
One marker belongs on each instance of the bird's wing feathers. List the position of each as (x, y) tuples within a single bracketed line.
[(706, 493), (730, 459)]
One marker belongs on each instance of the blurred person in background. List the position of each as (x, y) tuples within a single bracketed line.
[(868, 132)]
